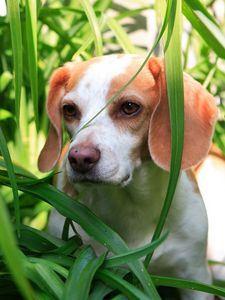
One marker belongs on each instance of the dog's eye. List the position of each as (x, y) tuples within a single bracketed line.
[(130, 108), (69, 111)]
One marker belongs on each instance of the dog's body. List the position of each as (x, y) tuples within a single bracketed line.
[(109, 160), (129, 211)]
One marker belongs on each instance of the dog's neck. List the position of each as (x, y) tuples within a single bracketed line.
[(132, 210), (148, 179)]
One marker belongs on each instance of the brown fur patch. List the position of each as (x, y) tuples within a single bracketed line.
[(200, 116)]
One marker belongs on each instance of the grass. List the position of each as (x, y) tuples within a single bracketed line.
[(37, 38)]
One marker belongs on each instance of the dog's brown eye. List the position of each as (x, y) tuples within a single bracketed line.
[(69, 111), (130, 108)]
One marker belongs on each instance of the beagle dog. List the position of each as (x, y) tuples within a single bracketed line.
[(120, 161)]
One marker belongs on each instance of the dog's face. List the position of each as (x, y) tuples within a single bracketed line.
[(123, 134), (111, 147)]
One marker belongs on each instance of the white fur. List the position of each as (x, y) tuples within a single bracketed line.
[(132, 206)]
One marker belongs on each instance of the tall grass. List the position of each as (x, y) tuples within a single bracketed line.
[(36, 38)]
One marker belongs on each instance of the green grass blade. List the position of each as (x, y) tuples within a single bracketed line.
[(121, 36), (52, 12), (125, 287), (102, 6), (45, 278), (133, 12), (100, 290), (52, 265), (69, 247), (205, 25), (81, 274), (87, 277), (210, 75), (66, 228), (62, 260), (88, 40), (5, 79), (31, 33), (12, 255), (119, 297), (85, 256), (17, 46), (94, 25), (17, 169), (21, 178), (10, 170), (135, 254), (38, 241), (5, 114), (59, 31), (174, 78), (219, 137), (188, 284)]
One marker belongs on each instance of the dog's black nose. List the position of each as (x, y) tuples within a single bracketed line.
[(83, 158)]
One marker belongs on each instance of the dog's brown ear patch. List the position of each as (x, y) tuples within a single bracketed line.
[(200, 117), (53, 145)]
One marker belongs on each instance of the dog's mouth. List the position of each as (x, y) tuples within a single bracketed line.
[(126, 180), (96, 178)]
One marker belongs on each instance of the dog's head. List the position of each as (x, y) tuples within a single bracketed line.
[(133, 127)]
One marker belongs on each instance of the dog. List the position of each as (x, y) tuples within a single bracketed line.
[(121, 160)]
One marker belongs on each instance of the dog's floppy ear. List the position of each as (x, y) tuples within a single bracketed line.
[(200, 117), (53, 145)]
